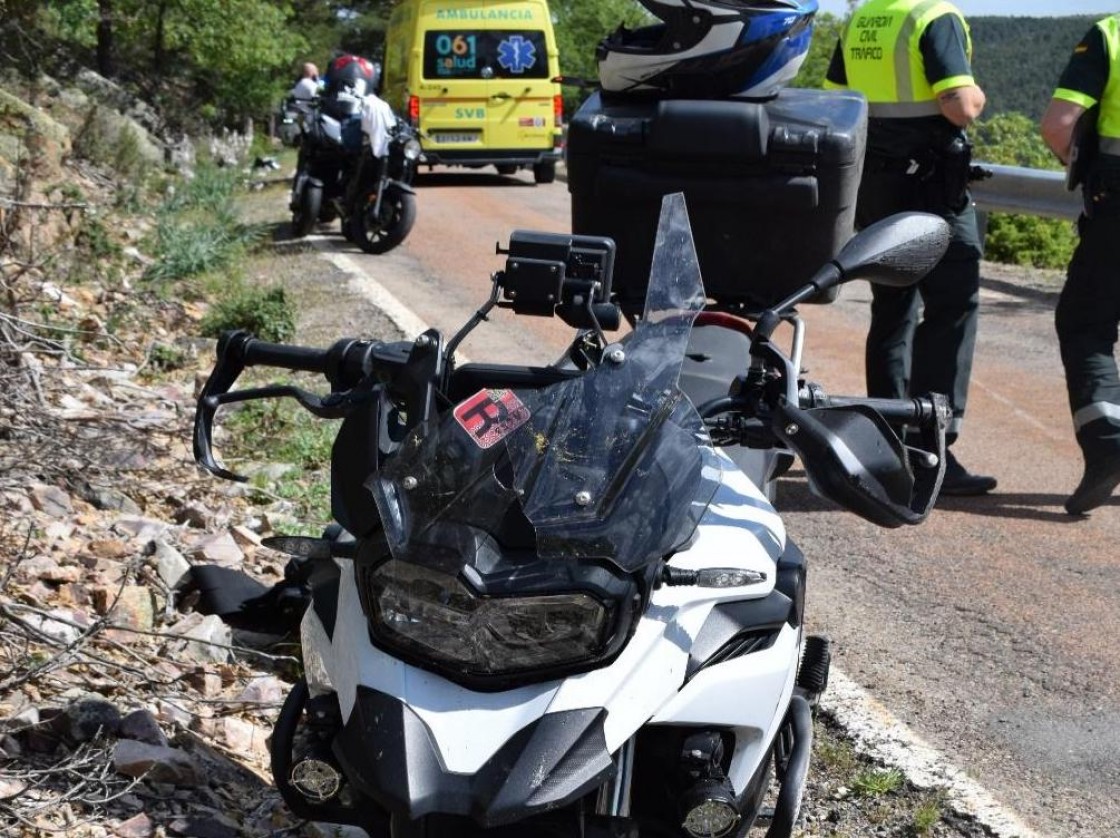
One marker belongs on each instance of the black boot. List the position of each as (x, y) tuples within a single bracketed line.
[(959, 482), (1101, 477)]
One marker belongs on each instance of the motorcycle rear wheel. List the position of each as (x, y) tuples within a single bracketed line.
[(307, 211), (398, 214)]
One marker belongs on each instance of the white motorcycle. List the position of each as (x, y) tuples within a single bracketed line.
[(554, 605)]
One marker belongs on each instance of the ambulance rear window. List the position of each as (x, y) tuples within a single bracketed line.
[(485, 54)]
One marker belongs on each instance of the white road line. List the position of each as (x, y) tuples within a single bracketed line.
[(880, 735), (376, 293), (875, 731)]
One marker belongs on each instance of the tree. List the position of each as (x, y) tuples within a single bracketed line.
[(105, 64), (1012, 139), (356, 26), (234, 55), (826, 31), (580, 26), (241, 50)]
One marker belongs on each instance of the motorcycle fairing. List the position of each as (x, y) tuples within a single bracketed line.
[(556, 758), (744, 695), (466, 731)]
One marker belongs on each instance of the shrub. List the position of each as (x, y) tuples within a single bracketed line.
[(166, 358), (266, 313), (1029, 240), (1012, 139), (108, 140)]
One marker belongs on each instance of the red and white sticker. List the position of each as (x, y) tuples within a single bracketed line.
[(489, 416)]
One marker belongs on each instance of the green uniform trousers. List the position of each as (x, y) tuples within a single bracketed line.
[(922, 338), (1086, 319)]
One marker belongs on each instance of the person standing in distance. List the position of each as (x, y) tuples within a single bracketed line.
[(307, 87), (911, 59), (1089, 306)]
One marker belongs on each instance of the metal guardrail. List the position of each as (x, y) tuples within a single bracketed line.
[(1027, 192)]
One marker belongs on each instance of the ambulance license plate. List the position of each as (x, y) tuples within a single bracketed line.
[(445, 137)]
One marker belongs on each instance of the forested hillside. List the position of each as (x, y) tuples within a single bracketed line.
[(1017, 60)]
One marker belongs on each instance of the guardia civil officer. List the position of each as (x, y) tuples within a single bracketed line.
[(912, 60), (1088, 99)]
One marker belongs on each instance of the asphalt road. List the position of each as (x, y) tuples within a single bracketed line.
[(992, 628)]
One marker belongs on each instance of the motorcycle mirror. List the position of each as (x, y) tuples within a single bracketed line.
[(897, 251)]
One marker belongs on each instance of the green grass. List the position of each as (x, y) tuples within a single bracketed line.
[(198, 227), (834, 754), (927, 815), (280, 431), (264, 312), (876, 782)]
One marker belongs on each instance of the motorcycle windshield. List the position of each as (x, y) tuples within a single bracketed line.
[(615, 464)]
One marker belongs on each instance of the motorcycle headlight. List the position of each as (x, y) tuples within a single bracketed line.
[(412, 149), (437, 618)]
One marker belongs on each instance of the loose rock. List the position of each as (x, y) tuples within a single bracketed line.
[(88, 718), (170, 564), (51, 500), (155, 763), (142, 726)]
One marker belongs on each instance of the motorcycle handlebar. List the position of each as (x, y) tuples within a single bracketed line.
[(260, 353), (343, 364), (915, 411), (925, 412)]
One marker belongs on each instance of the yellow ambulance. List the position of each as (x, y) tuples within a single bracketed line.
[(475, 77)]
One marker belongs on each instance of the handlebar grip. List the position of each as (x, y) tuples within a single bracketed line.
[(914, 411), (305, 358)]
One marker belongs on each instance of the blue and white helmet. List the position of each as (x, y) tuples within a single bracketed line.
[(709, 49)]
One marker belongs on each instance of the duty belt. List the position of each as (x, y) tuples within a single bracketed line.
[(892, 165)]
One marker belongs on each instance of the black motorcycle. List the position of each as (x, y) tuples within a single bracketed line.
[(330, 148), (382, 208)]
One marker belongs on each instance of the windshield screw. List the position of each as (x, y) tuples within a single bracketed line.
[(423, 341), (932, 460), (616, 356), (409, 483), (792, 429), (583, 498)]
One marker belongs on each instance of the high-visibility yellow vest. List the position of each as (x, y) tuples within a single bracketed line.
[(883, 59), (1108, 121)]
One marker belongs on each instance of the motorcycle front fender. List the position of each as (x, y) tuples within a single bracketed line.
[(399, 185), (302, 181)]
